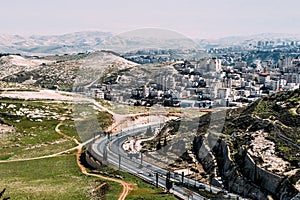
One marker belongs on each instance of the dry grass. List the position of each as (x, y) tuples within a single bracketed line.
[(52, 178)]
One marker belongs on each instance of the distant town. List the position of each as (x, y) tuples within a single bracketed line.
[(233, 76)]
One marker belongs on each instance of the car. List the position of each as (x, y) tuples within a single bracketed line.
[(201, 186), (141, 172), (150, 174), (176, 174), (224, 192)]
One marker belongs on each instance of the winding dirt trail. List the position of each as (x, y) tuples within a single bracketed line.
[(51, 155), (57, 130), (126, 186)]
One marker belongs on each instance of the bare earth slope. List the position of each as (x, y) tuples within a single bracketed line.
[(60, 71)]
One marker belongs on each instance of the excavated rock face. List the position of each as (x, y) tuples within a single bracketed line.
[(258, 152), (272, 183), (240, 175), (219, 160), (244, 149)]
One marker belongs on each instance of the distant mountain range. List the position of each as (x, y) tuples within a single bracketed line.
[(53, 44), (94, 40)]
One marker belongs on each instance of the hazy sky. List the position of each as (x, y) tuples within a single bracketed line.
[(193, 18)]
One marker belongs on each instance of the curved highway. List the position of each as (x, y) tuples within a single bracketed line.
[(109, 151)]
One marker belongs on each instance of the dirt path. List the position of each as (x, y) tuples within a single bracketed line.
[(52, 155), (40, 157), (57, 130), (126, 186)]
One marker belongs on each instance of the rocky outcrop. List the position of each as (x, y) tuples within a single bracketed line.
[(240, 175), (278, 186)]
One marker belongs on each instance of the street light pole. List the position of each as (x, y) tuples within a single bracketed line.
[(156, 179), (188, 173), (119, 161)]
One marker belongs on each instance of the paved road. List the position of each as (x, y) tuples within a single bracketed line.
[(111, 148)]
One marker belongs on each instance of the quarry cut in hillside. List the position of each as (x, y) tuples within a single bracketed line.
[(256, 154)]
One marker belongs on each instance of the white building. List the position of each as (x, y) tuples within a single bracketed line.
[(263, 78), (209, 65), (97, 94), (292, 77), (223, 93), (214, 65)]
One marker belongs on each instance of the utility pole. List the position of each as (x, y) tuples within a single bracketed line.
[(244, 186), (188, 174), (156, 179), (119, 161), (105, 154), (169, 183)]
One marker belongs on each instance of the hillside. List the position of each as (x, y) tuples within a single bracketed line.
[(255, 155), (60, 71), (266, 135), (13, 64), (277, 119)]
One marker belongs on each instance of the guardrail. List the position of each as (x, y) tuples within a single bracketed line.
[(93, 150)]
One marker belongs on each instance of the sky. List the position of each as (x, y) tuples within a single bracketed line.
[(192, 18)]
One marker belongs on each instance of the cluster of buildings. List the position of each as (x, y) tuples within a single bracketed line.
[(272, 43), (148, 56), (207, 82)]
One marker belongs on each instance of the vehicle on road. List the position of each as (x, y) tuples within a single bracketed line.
[(150, 174)]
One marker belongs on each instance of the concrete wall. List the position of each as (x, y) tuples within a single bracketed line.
[(278, 186), (252, 181), (92, 162), (261, 177), (94, 157)]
